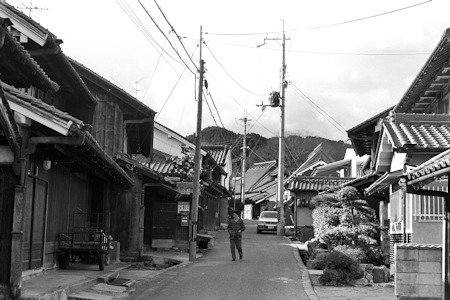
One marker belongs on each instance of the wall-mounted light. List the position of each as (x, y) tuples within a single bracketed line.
[(46, 164)]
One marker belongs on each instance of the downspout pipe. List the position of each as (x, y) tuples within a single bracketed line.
[(142, 218)]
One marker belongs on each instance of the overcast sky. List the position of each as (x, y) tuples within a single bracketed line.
[(346, 60)]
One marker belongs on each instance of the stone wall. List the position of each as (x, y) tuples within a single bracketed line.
[(418, 271)]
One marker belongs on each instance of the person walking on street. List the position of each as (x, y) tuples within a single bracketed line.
[(235, 228)]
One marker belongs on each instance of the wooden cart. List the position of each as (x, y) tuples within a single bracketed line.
[(88, 242)]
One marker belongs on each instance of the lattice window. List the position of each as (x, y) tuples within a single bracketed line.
[(428, 208)]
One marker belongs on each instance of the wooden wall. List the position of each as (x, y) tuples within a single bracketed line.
[(210, 213), (108, 126), (67, 193), (7, 183), (126, 208)]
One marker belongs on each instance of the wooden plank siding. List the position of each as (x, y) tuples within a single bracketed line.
[(108, 146), (108, 128), (68, 193), (7, 188), (118, 131), (210, 206), (125, 217)]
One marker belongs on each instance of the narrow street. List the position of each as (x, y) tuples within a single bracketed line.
[(268, 270)]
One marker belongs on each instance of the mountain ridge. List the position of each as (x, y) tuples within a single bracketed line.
[(297, 148)]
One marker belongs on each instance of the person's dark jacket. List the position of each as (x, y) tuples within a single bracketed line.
[(235, 228)]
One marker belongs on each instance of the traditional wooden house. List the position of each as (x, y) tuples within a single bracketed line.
[(317, 158), (415, 130), (51, 165), (168, 216), (125, 128), (58, 147), (260, 189), (222, 156)]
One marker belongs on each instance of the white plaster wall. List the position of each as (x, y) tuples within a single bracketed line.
[(427, 232)]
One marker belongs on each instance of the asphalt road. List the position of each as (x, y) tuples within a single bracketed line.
[(268, 270)]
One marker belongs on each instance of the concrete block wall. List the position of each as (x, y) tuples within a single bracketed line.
[(418, 271)]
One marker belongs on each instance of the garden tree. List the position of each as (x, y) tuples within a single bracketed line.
[(341, 218)]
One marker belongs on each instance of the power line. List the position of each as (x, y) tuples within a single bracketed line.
[(322, 26), (226, 91), (181, 75), (321, 111), (165, 36), (215, 58), (135, 19), (210, 111), (217, 111), (256, 120), (369, 17), (257, 154), (174, 31), (170, 94), (154, 71), (349, 52), (137, 22)]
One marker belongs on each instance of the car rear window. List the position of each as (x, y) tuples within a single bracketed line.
[(269, 214)]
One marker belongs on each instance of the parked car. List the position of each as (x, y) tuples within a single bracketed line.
[(267, 221)]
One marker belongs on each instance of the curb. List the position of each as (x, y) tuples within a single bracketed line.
[(306, 281)]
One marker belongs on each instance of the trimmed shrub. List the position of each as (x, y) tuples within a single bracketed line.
[(324, 218), (340, 270), (374, 256), (320, 260), (343, 219), (356, 254)]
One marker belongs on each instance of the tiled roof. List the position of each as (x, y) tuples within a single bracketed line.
[(310, 183), (89, 145), (258, 174), (161, 165), (99, 157), (316, 158), (38, 29), (53, 60), (362, 135), (432, 79), (383, 183), (421, 131), (438, 165), (37, 105), (14, 53), (218, 153), (137, 163), (363, 181), (418, 246)]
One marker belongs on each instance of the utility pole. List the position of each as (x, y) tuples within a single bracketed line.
[(280, 203), (244, 156), (279, 101), (197, 165)]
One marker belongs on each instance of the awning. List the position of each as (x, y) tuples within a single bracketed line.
[(383, 182)]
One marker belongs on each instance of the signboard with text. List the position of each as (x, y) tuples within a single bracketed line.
[(183, 206)]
